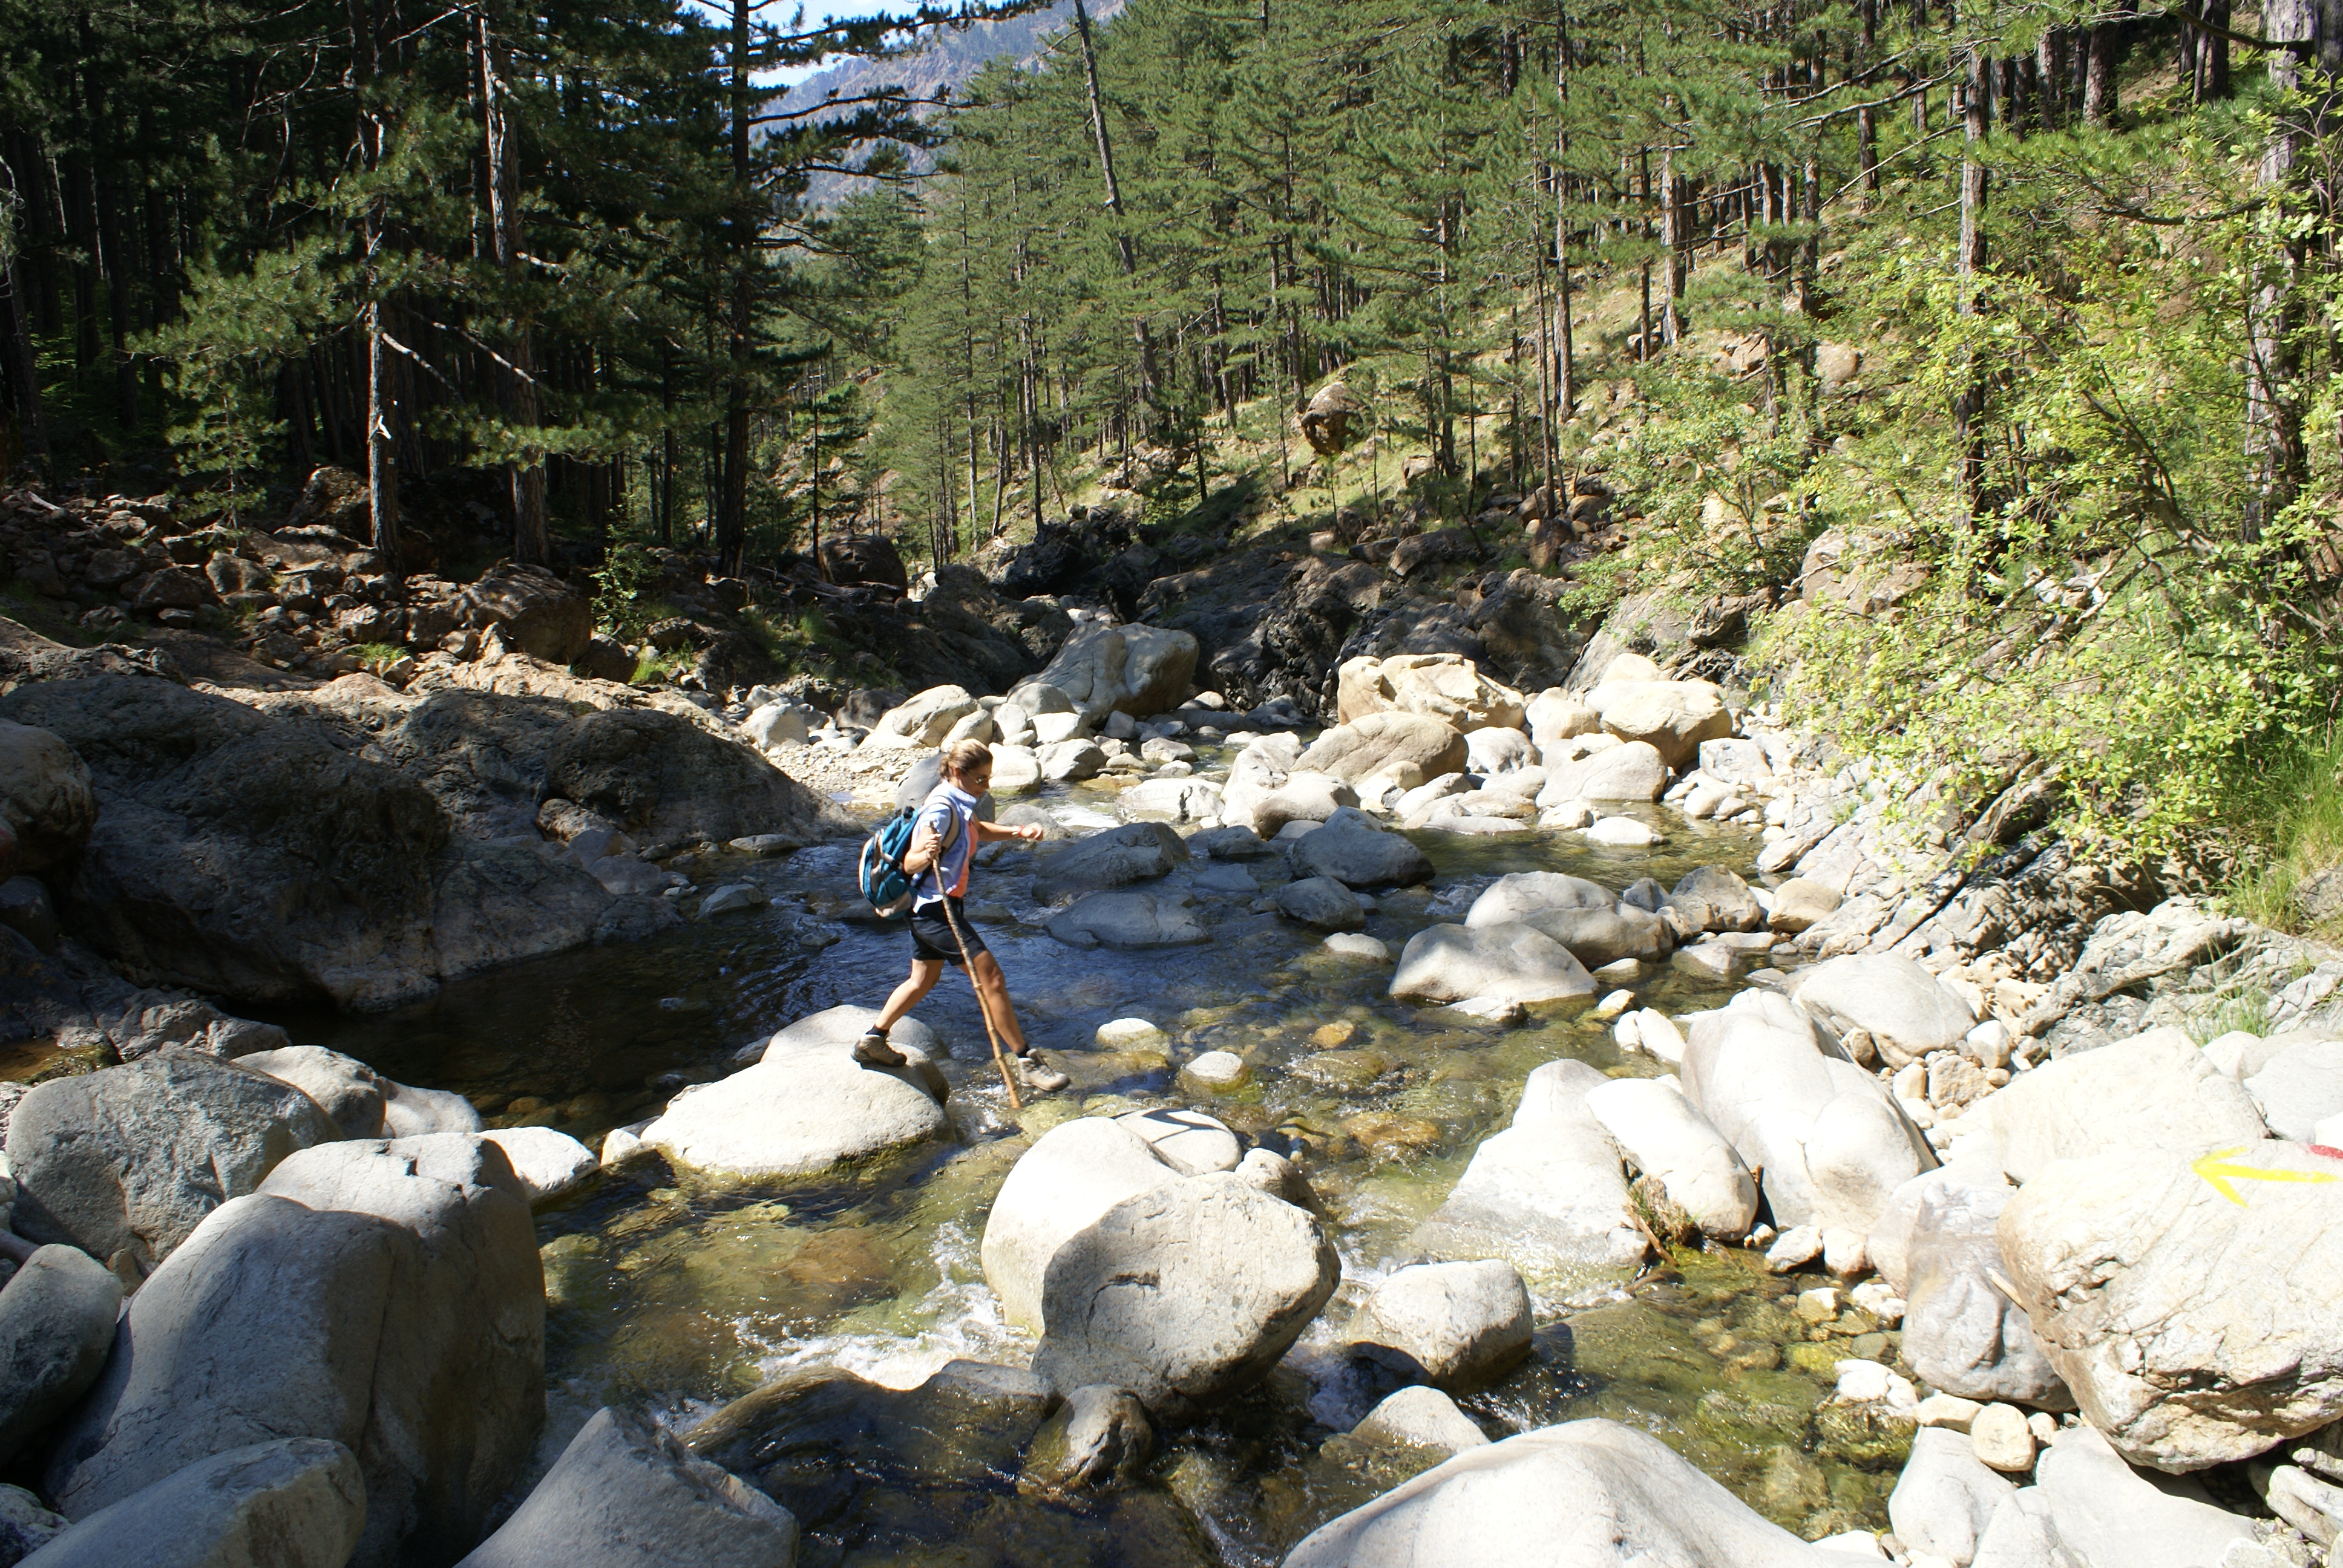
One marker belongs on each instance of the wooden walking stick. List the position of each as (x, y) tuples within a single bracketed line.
[(968, 967)]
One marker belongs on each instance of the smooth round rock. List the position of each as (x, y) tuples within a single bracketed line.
[(1217, 1070)]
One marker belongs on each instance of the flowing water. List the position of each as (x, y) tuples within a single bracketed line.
[(679, 1297)]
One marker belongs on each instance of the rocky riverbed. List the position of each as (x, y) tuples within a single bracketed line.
[(1587, 1126)]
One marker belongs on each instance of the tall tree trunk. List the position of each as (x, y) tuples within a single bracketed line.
[(2100, 71), (17, 315), (2212, 77), (1140, 335), (1565, 378), (1676, 228), (381, 387), (744, 231), (517, 379), (2050, 69), (1968, 403), (106, 207), (2274, 449)]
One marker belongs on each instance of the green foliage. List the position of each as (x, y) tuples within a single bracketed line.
[(2300, 793), (628, 569)]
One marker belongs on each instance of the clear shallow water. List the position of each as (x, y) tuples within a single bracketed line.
[(679, 1297)]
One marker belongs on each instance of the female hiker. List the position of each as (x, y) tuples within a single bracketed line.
[(943, 849)]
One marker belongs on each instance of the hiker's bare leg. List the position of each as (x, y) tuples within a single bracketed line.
[(925, 974), (994, 986)]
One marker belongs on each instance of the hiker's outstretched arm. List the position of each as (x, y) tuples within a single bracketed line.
[(925, 843), (987, 832)]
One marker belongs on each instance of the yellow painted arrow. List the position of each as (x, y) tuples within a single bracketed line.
[(2217, 1173)]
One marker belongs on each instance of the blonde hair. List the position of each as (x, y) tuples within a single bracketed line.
[(963, 755)]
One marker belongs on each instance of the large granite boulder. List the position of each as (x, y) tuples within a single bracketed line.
[(1909, 1013), (537, 613), (386, 1296), (1443, 685), (1635, 771), (1584, 1495), (1385, 743), (2187, 1297), (2299, 1088), (805, 1106), (241, 854), (626, 1494), (1358, 852), (1672, 717), (670, 782), (1712, 898), (1962, 1332), (57, 1327), (1511, 961), (1113, 857), (1547, 1194), (1584, 916), (1946, 1496), (1184, 1294), (1133, 669), (1457, 1325), (2101, 1511), (834, 1449), (289, 1502), (1073, 1173), (2154, 1091), (1829, 1145), (128, 1161), (1672, 1143), (47, 799), (921, 722), (345, 1087), (1130, 919)]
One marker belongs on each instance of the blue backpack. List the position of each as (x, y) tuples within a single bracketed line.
[(884, 881)]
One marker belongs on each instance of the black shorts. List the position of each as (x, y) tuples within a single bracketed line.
[(931, 938)]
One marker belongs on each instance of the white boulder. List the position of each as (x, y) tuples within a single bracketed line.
[(1073, 1173), (2187, 1298), (1184, 1293), (1907, 1012), (1668, 1140), (1455, 1326), (1510, 961), (2154, 1091), (1584, 1495), (1547, 1194)]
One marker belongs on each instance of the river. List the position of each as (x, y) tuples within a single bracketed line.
[(678, 1296)]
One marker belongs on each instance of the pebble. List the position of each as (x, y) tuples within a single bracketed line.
[(1217, 1070), (1355, 945), (1872, 1382), (1819, 1305), (1292, 830), (1880, 1300), (1798, 1246), (1706, 961), (1612, 1006), (2001, 1439), (1124, 1033), (1947, 1409), (1619, 970), (2043, 1425)]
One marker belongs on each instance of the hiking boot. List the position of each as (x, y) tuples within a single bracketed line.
[(872, 1050), (1039, 1076)]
